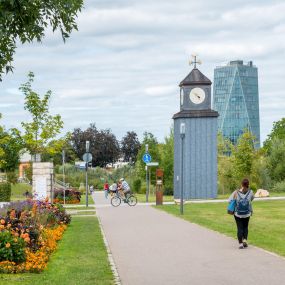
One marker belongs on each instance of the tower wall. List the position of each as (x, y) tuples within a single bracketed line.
[(200, 157)]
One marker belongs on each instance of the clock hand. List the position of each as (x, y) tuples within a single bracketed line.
[(197, 95)]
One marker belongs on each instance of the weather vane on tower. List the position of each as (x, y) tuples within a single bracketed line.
[(194, 60)]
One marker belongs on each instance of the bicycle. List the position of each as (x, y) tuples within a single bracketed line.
[(130, 199)]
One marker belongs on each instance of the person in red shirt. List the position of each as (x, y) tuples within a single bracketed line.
[(106, 189)]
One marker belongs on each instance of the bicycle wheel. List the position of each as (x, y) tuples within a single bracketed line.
[(116, 201), (132, 200)]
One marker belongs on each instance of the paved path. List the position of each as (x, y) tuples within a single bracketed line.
[(151, 247)]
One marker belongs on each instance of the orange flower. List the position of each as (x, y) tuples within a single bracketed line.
[(2, 221), (27, 239), (7, 245), (2, 227)]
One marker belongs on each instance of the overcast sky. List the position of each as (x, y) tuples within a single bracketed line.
[(121, 70)]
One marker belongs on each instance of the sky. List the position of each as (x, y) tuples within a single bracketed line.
[(121, 69)]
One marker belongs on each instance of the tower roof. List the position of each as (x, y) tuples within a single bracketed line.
[(195, 77)]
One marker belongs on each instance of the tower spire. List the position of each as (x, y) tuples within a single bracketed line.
[(194, 60)]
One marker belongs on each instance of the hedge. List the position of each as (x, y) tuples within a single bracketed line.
[(5, 192)]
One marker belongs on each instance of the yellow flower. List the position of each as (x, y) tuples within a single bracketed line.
[(8, 245), (2, 221)]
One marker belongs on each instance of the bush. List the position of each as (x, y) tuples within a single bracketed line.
[(137, 184), (72, 196), (5, 192), (11, 248), (279, 187)]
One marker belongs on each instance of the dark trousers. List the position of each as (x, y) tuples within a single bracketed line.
[(242, 228)]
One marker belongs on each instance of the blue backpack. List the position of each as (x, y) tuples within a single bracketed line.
[(243, 205)]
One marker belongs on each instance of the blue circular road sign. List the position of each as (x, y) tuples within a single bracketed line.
[(146, 158)]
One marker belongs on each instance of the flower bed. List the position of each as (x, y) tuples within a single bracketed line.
[(72, 196), (29, 231)]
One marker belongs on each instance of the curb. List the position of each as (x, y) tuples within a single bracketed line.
[(110, 256)]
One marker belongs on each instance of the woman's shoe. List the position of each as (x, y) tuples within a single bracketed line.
[(245, 243), (241, 246)]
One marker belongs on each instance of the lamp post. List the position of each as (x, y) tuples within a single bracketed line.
[(182, 136), (63, 174), (86, 174)]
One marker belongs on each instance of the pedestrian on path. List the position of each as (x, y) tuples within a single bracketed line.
[(243, 211), (106, 189)]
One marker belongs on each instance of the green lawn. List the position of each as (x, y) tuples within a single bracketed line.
[(81, 258), (83, 200), (152, 198), (18, 190), (266, 229)]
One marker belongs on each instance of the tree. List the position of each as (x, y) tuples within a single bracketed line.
[(56, 147), (153, 150), (276, 160), (44, 127), (243, 155), (104, 146), (167, 162), (130, 146), (10, 146), (278, 131), (26, 21)]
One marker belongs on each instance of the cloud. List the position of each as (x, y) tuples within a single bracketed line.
[(122, 68)]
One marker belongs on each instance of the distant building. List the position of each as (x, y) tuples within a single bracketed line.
[(236, 99)]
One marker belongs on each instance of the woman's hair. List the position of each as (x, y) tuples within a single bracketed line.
[(245, 183)]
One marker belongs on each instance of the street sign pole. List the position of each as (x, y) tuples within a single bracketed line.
[(147, 184), (63, 174), (86, 175)]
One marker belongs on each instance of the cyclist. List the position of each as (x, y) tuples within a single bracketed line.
[(113, 188), (124, 188)]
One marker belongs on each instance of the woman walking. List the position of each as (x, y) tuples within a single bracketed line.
[(243, 211)]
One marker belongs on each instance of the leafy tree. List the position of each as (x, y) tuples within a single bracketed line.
[(55, 148), (26, 21), (104, 146), (130, 146), (278, 131), (153, 150), (226, 180), (10, 146), (276, 160), (243, 155), (44, 127), (167, 162)]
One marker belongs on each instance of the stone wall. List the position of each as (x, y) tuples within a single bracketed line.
[(43, 176)]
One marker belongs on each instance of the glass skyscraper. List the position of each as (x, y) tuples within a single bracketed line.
[(235, 97)]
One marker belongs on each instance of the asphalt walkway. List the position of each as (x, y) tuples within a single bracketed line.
[(151, 247)]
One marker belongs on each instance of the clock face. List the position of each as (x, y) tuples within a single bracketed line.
[(197, 95)]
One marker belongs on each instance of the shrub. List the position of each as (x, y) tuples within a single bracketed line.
[(137, 184), (5, 192), (72, 196), (11, 248), (279, 186)]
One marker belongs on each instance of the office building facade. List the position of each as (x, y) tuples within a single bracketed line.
[(236, 98)]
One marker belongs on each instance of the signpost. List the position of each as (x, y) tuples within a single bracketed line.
[(87, 157), (146, 158)]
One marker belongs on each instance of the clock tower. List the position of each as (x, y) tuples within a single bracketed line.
[(195, 139)]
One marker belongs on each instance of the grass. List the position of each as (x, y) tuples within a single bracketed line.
[(151, 198), (83, 200), (81, 258), (271, 194), (266, 228), (18, 190)]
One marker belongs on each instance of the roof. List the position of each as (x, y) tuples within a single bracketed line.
[(195, 77), (196, 114)]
